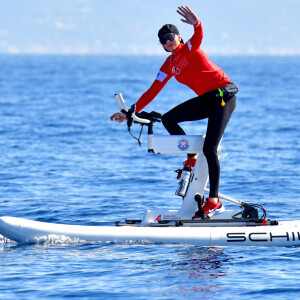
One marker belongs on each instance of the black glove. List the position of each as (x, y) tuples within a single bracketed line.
[(129, 113)]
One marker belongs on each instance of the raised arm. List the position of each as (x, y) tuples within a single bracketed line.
[(189, 16)]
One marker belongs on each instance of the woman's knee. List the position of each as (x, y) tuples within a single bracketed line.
[(210, 152), (167, 120), (164, 119)]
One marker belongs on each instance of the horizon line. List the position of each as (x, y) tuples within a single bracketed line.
[(279, 54)]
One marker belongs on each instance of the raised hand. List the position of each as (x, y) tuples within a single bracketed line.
[(189, 16)]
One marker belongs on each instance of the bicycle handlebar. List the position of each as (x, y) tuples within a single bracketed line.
[(139, 120), (142, 117)]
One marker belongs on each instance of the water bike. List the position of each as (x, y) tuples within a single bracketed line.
[(246, 225)]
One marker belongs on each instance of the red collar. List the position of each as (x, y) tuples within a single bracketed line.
[(172, 56), (177, 49)]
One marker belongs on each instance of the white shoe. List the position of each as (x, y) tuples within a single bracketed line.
[(217, 211)]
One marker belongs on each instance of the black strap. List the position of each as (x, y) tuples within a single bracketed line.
[(139, 138)]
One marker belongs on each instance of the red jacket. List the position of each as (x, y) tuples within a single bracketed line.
[(190, 66)]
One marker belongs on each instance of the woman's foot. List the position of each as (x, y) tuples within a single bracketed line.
[(189, 163), (210, 205)]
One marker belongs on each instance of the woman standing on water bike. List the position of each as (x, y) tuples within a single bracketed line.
[(216, 98)]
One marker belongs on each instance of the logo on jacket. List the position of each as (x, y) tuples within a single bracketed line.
[(179, 66), (183, 144), (175, 71)]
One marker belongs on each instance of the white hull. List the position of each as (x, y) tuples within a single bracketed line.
[(25, 231)]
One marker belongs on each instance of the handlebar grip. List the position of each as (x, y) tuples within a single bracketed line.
[(129, 115)]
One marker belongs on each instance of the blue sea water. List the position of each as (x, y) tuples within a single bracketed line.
[(62, 160)]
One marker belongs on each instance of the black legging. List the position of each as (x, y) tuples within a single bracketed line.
[(198, 108)]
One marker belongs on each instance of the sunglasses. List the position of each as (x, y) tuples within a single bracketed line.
[(168, 37)]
